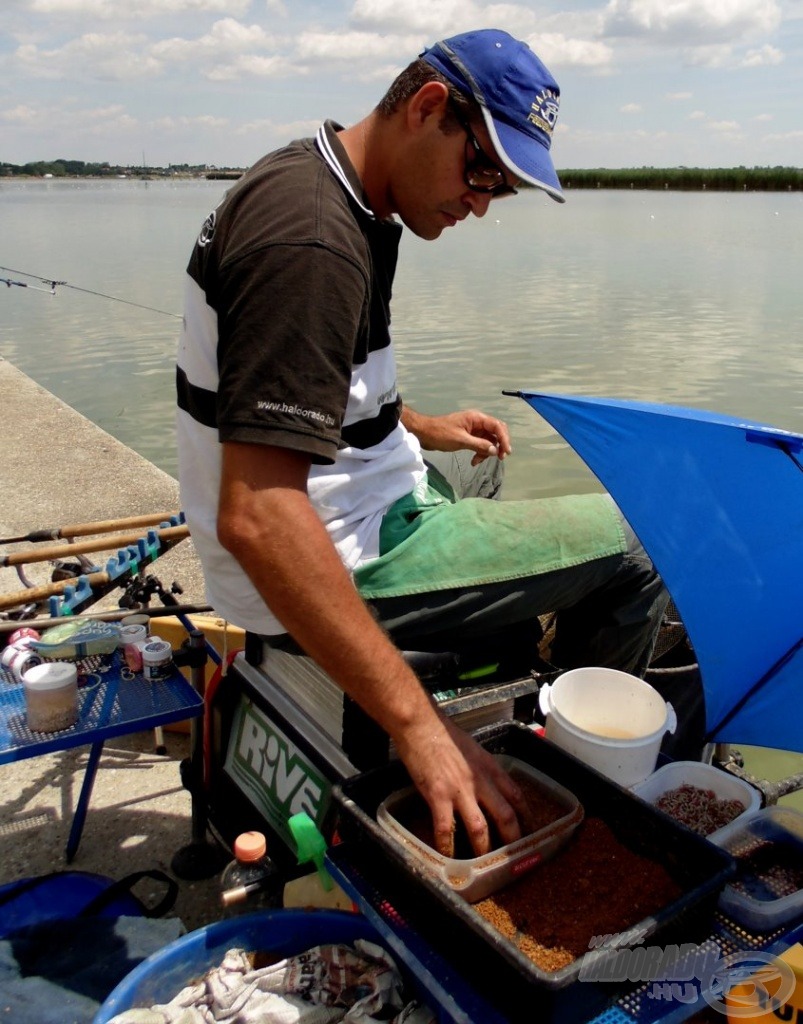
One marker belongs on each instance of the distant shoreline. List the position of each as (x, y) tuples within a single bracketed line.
[(691, 179)]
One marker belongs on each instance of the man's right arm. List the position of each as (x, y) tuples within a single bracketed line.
[(268, 524)]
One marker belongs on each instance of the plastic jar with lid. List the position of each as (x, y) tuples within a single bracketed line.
[(51, 696), (157, 660), (251, 881)]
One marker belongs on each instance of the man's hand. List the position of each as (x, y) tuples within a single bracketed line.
[(458, 778), (470, 430)]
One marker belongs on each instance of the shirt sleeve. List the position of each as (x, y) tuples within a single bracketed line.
[(289, 317)]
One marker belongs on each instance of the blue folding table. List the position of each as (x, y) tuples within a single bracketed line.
[(116, 703)]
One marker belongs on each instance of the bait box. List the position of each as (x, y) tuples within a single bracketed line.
[(762, 908), (704, 776), (477, 877), (407, 894)]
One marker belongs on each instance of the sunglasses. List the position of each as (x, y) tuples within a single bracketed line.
[(480, 173)]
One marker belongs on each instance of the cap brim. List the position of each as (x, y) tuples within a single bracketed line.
[(524, 156)]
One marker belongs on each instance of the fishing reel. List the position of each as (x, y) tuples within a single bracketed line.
[(139, 592)]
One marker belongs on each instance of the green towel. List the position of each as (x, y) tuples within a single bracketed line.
[(430, 542)]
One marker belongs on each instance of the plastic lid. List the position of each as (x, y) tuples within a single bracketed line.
[(51, 675), (250, 846), (156, 651)]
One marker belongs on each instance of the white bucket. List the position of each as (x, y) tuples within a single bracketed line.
[(613, 721)]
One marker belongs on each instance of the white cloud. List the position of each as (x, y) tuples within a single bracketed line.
[(115, 56), (225, 37), (20, 115), (678, 96), (689, 21), (630, 108), (204, 121), (353, 46), (446, 17), (763, 57), (250, 65), (792, 136), (730, 129), (697, 115), (713, 56), (557, 50), (134, 9)]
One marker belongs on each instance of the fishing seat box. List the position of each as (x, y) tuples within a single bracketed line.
[(398, 893), (279, 734)]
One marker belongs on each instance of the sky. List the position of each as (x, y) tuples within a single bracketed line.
[(662, 83)]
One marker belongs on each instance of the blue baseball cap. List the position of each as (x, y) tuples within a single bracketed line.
[(518, 97)]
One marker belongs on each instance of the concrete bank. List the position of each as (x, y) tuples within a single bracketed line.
[(59, 468)]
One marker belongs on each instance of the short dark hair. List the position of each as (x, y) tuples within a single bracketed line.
[(417, 74)]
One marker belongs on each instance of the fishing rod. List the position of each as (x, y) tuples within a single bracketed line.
[(171, 534), (88, 529), (10, 625), (53, 284)]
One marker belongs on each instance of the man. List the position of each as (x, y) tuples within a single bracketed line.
[(301, 469)]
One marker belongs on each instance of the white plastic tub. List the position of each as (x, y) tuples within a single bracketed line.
[(703, 776), (478, 877), (611, 720), (51, 696)]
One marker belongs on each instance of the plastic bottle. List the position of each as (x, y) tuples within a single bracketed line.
[(251, 881)]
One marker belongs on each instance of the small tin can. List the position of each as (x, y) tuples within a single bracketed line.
[(157, 660), (23, 633), (19, 659), (133, 634)]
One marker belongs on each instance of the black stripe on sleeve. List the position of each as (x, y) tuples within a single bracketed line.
[(200, 403)]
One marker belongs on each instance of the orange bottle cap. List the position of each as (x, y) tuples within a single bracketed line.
[(250, 846)]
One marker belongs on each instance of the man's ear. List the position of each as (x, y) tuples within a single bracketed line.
[(429, 102)]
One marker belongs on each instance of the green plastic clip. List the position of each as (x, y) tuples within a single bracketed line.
[(310, 845)]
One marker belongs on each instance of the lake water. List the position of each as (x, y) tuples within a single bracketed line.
[(683, 298)]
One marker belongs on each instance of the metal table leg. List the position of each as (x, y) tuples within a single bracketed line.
[(79, 817)]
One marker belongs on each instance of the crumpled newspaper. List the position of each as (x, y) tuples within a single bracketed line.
[(357, 984)]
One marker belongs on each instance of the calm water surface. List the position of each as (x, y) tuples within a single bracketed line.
[(690, 299)]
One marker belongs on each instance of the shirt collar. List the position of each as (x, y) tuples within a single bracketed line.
[(331, 149)]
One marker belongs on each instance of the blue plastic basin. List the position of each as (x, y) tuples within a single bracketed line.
[(283, 932)]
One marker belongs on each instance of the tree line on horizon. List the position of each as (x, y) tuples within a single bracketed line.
[(719, 179), (722, 179)]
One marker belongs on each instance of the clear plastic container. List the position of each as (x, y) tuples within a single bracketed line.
[(768, 889), (476, 878), (703, 776), (251, 881), (51, 696)]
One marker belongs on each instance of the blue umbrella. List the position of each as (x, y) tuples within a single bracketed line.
[(718, 504)]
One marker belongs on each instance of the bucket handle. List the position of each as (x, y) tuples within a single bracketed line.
[(544, 703), (671, 719)]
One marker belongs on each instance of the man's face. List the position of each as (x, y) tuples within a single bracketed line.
[(431, 190)]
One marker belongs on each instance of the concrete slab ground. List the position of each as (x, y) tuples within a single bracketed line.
[(59, 468)]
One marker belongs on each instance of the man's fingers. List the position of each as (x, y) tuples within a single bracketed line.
[(444, 831)]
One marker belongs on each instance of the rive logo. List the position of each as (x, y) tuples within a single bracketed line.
[(272, 771)]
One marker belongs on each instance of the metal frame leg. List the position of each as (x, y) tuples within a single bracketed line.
[(79, 815)]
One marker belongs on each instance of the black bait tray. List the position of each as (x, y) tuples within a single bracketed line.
[(699, 869)]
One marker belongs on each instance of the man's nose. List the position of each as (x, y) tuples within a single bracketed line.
[(478, 202)]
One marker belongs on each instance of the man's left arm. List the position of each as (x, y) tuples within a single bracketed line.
[(470, 430)]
